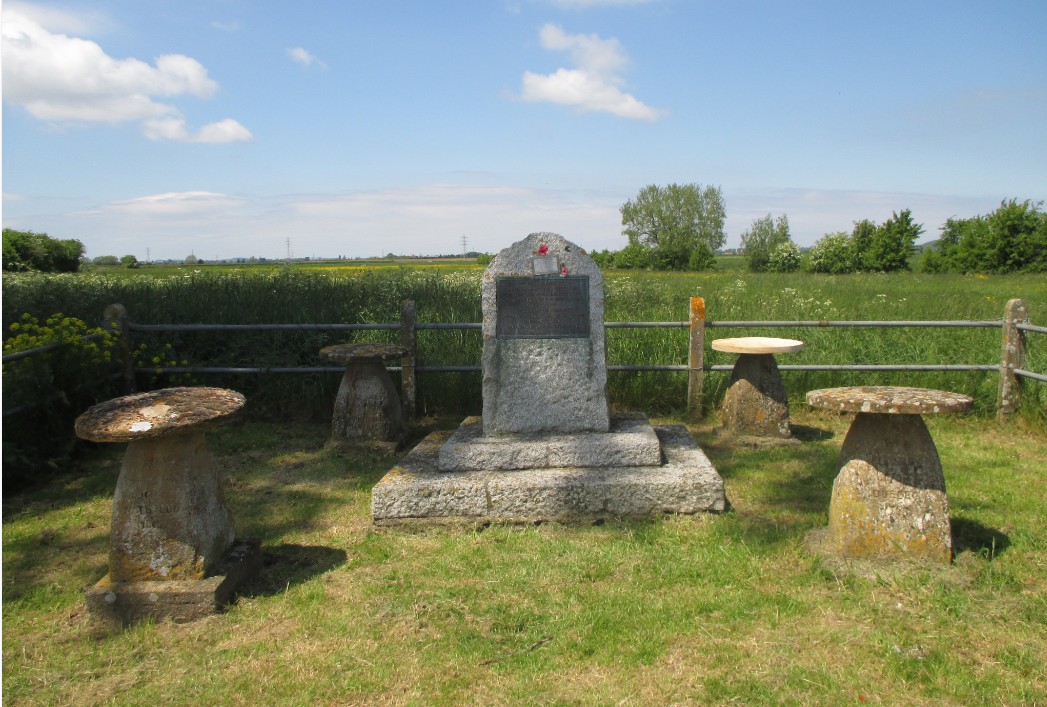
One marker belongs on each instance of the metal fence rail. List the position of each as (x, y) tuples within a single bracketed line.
[(1014, 325)]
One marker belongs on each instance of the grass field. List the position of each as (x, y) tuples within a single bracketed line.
[(697, 610)]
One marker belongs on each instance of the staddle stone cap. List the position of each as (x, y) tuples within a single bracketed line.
[(889, 399), (347, 353), (157, 413), (757, 345)]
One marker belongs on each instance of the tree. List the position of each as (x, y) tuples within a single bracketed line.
[(892, 243), (672, 221), (833, 254), (105, 260), (861, 239), (633, 255), (129, 261), (1011, 239), (784, 258), (1018, 237), (762, 238), (26, 250)]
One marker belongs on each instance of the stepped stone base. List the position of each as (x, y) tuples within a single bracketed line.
[(685, 482), (122, 603), (631, 441)]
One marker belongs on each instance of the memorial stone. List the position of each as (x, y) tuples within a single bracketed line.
[(544, 362), (546, 446)]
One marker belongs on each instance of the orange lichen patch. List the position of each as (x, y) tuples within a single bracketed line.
[(164, 567), (863, 526)]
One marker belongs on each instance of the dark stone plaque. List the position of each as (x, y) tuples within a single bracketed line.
[(542, 307)]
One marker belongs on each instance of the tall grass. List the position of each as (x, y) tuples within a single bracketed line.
[(373, 295)]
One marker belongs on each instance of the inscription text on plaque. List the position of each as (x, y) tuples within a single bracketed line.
[(542, 307)]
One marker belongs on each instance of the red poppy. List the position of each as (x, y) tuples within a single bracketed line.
[(543, 249), (563, 270)]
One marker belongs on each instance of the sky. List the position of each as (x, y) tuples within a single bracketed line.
[(326, 128)]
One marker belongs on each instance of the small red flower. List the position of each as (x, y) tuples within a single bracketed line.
[(543, 249), (563, 270)]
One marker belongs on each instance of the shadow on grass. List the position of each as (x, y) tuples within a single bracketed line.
[(805, 433), (90, 475), (971, 536), (289, 564), (37, 561)]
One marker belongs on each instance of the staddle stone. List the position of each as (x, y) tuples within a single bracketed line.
[(366, 408), (889, 495), (170, 521)]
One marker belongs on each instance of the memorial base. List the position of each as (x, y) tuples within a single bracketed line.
[(123, 603), (631, 441), (417, 491)]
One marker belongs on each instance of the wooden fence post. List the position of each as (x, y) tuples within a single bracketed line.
[(408, 339), (696, 357), (1012, 356), (116, 320)]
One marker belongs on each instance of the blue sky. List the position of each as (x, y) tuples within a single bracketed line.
[(227, 128)]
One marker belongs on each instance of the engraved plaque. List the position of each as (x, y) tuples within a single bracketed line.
[(545, 265), (542, 307)]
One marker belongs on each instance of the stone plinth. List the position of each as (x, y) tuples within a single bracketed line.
[(756, 403), (631, 441), (416, 491), (366, 409), (170, 522), (544, 361), (889, 495)]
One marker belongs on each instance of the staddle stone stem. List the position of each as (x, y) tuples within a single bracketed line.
[(170, 521)]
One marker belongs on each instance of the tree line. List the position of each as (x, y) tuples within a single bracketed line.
[(26, 250), (680, 227)]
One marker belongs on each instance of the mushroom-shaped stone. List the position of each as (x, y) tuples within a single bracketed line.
[(889, 494), (170, 521), (367, 408), (756, 403)]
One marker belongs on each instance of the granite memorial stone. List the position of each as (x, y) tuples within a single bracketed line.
[(546, 446), (544, 363)]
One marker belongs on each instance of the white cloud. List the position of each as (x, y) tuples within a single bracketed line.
[(63, 79), (303, 57), (227, 130), (594, 85), (58, 20), (188, 203)]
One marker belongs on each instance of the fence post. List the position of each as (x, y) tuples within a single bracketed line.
[(408, 339), (116, 320), (1012, 356), (696, 357)]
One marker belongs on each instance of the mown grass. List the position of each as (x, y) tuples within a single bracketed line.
[(703, 610)]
